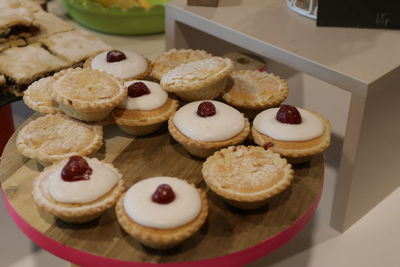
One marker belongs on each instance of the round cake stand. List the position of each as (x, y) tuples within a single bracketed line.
[(230, 237)]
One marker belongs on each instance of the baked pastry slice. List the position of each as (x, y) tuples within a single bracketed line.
[(52, 138), (203, 127), (86, 94), (123, 64), (253, 91), (38, 96), (78, 189), (16, 20), (198, 80), (145, 109), (246, 177), (162, 212), (74, 46), (24, 65), (174, 58), (297, 134)]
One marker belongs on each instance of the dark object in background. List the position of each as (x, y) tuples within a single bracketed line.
[(359, 13), (202, 2)]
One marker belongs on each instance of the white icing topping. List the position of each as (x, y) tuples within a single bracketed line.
[(184, 209), (133, 65), (225, 124), (157, 98), (311, 126), (101, 181)]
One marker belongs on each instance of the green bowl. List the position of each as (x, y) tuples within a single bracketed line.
[(115, 20)]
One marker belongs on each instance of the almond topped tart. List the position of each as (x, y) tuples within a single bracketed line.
[(38, 97), (203, 127), (123, 64), (297, 134), (52, 138), (86, 94), (246, 177), (78, 189), (253, 91), (198, 80), (173, 58), (145, 109), (162, 212)]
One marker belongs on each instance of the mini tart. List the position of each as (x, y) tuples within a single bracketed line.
[(254, 91), (143, 74), (52, 138), (174, 58), (296, 152), (198, 80), (142, 122), (246, 177), (87, 95), (158, 238), (38, 97), (74, 212), (201, 148)]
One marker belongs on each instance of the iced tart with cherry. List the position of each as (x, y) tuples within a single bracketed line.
[(295, 133), (203, 127), (78, 189), (162, 212), (145, 109), (123, 64)]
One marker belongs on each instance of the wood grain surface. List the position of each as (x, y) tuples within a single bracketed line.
[(227, 230)]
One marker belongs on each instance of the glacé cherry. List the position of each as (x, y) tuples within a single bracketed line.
[(137, 89), (163, 194), (288, 114), (76, 169), (206, 109), (115, 56)]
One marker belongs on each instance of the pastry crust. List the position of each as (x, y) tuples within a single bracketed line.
[(241, 176), (38, 97), (74, 212), (87, 94), (253, 89), (161, 238), (74, 46), (205, 148), (173, 58), (297, 149), (145, 74), (52, 138), (201, 82)]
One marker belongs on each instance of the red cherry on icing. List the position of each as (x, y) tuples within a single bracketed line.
[(76, 169), (206, 109), (137, 89), (163, 194), (115, 56), (288, 114)]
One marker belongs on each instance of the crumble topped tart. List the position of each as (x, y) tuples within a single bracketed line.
[(87, 94), (74, 46), (246, 177), (52, 138), (38, 96), (295, 135), (198, 80), (78, 189), (256, 90), (162, 212), (173, 58)]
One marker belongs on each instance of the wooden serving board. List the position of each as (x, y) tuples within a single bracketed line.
[(229, 235)]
